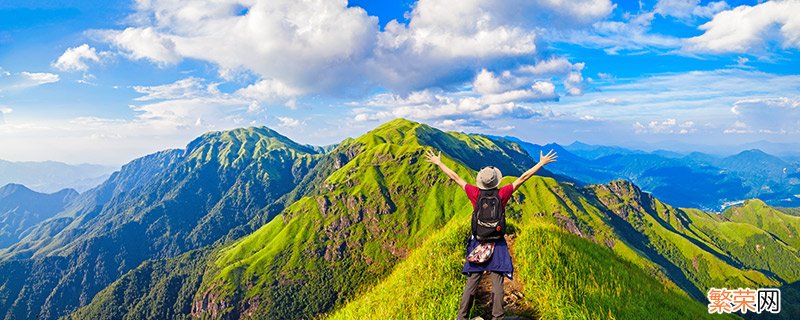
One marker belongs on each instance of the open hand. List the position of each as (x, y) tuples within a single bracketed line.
[(432, 157), (549, 157)]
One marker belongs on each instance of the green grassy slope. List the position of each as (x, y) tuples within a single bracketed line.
[(755, 212), (565, 277), (374, 231), (159, 206), (426, 285), (296, 250), (373, 209), (748, 246), (572, 278), (667, 236)]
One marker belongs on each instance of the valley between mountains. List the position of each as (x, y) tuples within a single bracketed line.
[(249, 224)]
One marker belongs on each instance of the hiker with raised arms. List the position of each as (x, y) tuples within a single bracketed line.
[(487, 251)]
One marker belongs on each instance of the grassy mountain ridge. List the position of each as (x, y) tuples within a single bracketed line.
[(428, 284), (669, 236), (335, 169), (374, 218), (323, 247), (363, 221), (757, 213), (350, 162), (157, 206)]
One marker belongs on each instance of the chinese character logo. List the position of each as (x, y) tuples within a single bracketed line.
[(744, 300), (719, 300), (769, 300)]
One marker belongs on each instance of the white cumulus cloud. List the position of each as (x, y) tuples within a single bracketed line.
[(667, 126), (303, 44), (750, 29), (269, 90), (194, 103), (508, 94), (685, 9), (144, 43), (552, 66), (441, 106), (633, 34), (738, 127), (613, 101), (330, 47), (288, 122), (75, 59)]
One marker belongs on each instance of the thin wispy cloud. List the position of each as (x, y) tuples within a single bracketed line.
[(24, 80)]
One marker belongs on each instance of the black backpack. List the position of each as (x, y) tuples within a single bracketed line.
[(489, 217)]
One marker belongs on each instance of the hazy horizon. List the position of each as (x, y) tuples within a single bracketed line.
[(673, 146)]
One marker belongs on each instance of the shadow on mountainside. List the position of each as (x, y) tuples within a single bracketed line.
[(790, 304)]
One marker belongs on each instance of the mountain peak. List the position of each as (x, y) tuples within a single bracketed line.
[(398, 131), (621, 190), (399, 123), (18, 190), (578, 144), (753, 157), (625, 187), (754, 203), (13, 188), (757, 152), (749, 209), (255, 140), (66, 193), (241, 133), (754, 154)]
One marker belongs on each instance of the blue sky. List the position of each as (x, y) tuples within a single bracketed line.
[(108, 81)]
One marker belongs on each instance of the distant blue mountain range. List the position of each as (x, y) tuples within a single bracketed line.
[(22, 208), (52, 176), (695, 179)]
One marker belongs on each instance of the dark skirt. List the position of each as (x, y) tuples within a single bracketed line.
[(500, 261)]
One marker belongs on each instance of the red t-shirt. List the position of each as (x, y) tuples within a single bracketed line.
[(473, 192)]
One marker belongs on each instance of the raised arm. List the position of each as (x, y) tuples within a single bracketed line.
[(437, 160), (543, 160)]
